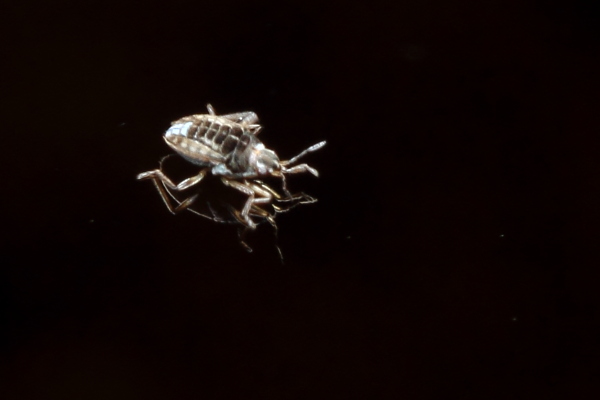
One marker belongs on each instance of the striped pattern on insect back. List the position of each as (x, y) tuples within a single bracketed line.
[(228, 140), (240, 158), (245, 141), (217, 133)]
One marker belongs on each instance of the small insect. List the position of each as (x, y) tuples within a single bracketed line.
[(227, 146)]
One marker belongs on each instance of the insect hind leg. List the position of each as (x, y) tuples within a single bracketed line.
[(245, 117), (162, 182)]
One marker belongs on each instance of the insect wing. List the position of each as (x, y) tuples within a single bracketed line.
[(244, 118), (194, 151)]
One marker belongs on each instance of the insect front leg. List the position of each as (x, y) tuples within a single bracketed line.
[(293, 170), (159, 179), (252, 192), (298, 169), (290, 200), (257, 211), (265, 192)]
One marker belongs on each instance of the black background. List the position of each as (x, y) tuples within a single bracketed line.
[(453, 252)]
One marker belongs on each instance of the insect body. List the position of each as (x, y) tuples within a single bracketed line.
[(227, 146), (209, 140)]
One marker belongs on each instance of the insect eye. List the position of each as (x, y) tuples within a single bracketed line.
[(269, 158)]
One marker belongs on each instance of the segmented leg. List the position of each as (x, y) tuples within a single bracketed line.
[(252, 193), (215, 217), (245, 118), (294, 170), (242, 232), (160, 180), (242, 238), (298, 169), (293, 199)]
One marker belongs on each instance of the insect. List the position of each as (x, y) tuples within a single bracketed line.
[(227, 146)]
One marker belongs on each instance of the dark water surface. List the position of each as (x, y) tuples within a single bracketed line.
[(453, 252)]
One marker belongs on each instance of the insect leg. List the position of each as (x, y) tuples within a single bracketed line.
[(294, 170), (160, 180), (245, 117), (242, 237), (157, 174), (259, 212), (185, 204), (298, 198), (251, 192), (267, 195), (262, 188), (165, 198), (297, 169)]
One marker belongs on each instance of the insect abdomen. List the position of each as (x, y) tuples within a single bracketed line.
[(217, 133)]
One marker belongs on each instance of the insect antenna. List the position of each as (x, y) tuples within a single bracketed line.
[(312, 148)]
